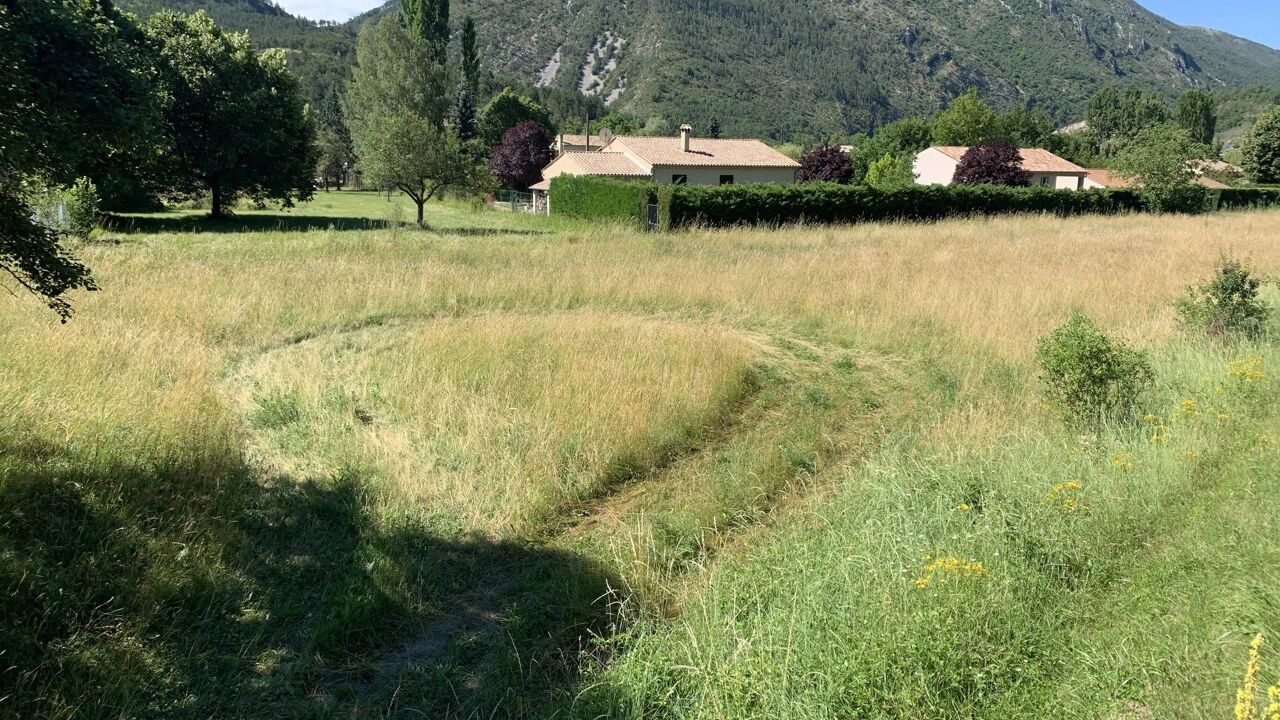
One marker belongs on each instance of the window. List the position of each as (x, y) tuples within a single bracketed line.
[(1044, 181), (679, 179), (726, 179)]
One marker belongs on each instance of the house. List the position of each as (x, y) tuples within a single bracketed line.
[(1099, 178), (937, 166), (683, 160)]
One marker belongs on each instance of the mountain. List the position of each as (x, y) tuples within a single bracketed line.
[(812, 69), (320, 54)]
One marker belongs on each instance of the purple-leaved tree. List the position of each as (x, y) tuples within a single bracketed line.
[(993, 163), (827, 163), (518, 160)]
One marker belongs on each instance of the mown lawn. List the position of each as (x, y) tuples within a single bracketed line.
[(320, 462)]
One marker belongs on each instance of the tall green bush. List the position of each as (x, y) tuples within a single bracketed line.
[(1227, 304), (82, 207), (584, 196), (1088, 377)]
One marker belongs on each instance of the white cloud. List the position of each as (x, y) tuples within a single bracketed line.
[(328, 9)]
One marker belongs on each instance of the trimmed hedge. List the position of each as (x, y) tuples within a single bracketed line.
[(819, 202), (830, 203), (585, 196)]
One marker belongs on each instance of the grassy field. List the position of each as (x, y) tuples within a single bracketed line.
[(318, 463)]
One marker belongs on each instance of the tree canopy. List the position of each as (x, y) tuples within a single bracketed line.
[(234, 121), (967, 122), (1197, 115), (518, 160), (992, 163), (1261, 149), (506, 110), (827, 163), (1161, 160)]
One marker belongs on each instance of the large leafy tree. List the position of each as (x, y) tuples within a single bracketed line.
[(409, 153), (992, 163), (395, 73), (518, 160), (1161, 160), (903, 138), (235, 120), (1116, 117), (506, 110), (74, 96), (827, 164), (429, 21), (1198, 116), (891, 171), (966, 122), (1027, 128), (1261, 149)]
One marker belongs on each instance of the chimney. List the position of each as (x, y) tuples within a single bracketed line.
[(685, 131), (560, 144)]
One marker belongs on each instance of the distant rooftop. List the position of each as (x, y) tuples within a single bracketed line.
[(1033, 159), (703, 151)]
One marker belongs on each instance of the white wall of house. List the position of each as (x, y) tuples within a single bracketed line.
[(933, 167), (1057, 181), (700, 175)]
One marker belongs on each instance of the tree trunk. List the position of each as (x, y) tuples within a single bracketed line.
[(421, 203), (215, 201)]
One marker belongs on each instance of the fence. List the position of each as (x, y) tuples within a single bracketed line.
[(513, 201)]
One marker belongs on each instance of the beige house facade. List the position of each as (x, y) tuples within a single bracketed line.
[(937, 166), (682, 160)]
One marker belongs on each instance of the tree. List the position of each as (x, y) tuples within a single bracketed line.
[(409, 153), (518, 161), (74, 97), (463, 114), (1027, 128), (906, 137), (713, 128), (825, 164), (1161, 160), (234, 121), (1196, 115), (394, 74), (967, 122), (470, 55), (891, 171), (1260, 150), (506, 110), (429, 21), (1116, 117), (337, 154), (992, 163)]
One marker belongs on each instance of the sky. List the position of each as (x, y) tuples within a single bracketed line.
[(1253, 19)]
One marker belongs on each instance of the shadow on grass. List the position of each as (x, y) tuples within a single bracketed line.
[(172, 223), (194, 590)]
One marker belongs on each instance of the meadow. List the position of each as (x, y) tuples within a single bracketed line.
[(319, 463)]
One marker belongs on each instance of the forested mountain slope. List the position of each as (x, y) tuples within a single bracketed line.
[(825, 68)]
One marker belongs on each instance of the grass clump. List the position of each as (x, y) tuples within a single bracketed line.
[(1228, 304), (1089, 377)]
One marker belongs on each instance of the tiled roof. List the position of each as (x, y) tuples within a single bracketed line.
[(705, 152), (611, 164), (1107, 178), (1033, 159), (581, 141)]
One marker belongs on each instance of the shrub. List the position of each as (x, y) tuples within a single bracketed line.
[(1226, 304), (891, 171), (584, 196), (81, 201), (684, 205), (518, 161), (993, 163), (827, 163), (1089, 377)]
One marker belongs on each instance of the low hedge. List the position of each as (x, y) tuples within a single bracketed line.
[(818, 202), (830, 203), (585, 196)]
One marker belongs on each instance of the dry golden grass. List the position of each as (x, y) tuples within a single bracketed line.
[(492, 421)]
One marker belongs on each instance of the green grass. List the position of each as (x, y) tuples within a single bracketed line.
[(320, 463)]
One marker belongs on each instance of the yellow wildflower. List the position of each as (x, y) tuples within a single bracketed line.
[(1122, 461), (1247, 694), (1193, 454), (1060, 494), (942, 570), (1247, 370), (1189, 408), (964, 507), (1149, 418)]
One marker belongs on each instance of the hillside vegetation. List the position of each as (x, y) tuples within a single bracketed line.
[(851, 67), (316, 463)]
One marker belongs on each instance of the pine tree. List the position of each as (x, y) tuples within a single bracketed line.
[(463, 113), (470, 57), (713, 129)]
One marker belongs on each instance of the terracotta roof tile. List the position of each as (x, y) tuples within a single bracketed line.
[(705, 152), (611, 164), (1033, 159)]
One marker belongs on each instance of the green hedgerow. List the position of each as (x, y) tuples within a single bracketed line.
[(1227, 304), (1089, 377)]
